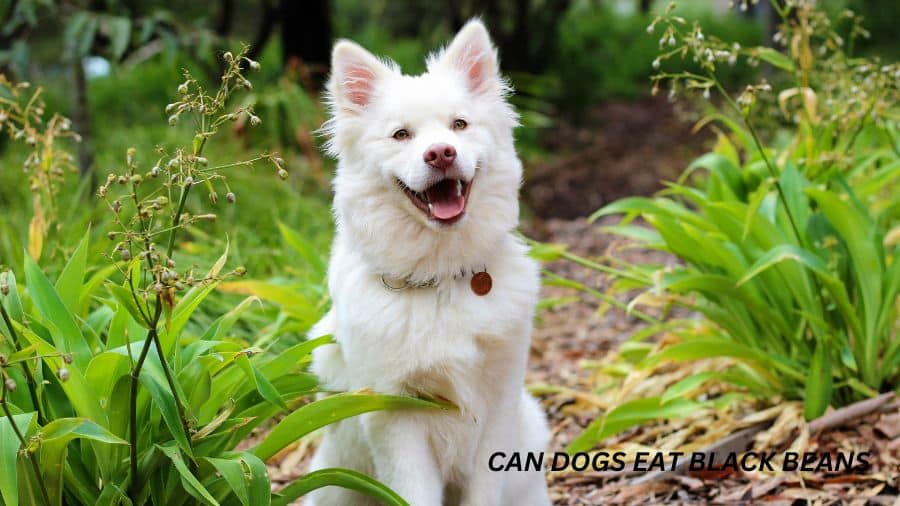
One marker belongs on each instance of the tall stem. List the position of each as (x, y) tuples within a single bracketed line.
[(762, 152), (153, 338), (171, 381), (135, 377), (34, 465), (29, 378)]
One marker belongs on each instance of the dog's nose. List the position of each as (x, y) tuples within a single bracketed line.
[(440, 156)]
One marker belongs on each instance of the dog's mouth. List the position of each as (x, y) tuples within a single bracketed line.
[(444, 201)]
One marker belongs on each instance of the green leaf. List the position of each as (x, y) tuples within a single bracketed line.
[(181, 314), (628, 415), (71, 279), (262, 384), (87, 291), (233, 472), (309, 252), (688, 385), (819, 383), (345, 478), (153, 380), (217, 331), (126, 300), (55, 438), (190, 482), (246, 474), (11, 301), (867, 255), (9, 450), (705, 348), (329, 410), (79, 34), (721, 166), (774, 57), (782, 253), (285, 296), (66, 334), (546, 252), (118, 29), (79, 393)]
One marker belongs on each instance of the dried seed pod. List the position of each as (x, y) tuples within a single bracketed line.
[(62, 374), (67, 358), (125, 255), (188, 181), (154, 172), (9, 385), (283, 174), (230, 197)]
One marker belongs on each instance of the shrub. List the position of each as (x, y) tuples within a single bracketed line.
[(789, 250)]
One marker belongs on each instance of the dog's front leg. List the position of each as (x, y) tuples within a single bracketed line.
[(485, 487), (403, 456)]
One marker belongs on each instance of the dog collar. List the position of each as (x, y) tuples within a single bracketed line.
[(481, 282)]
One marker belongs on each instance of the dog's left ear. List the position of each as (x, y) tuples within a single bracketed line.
[(473, 55)]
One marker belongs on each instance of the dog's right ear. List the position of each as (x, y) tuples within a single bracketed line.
[(354, 75)]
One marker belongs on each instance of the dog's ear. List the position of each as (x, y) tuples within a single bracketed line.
[(472, 54), (354, 75)]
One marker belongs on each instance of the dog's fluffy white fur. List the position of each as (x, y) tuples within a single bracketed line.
[(441, 340)]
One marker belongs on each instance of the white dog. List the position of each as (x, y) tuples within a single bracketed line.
[(433, 294)]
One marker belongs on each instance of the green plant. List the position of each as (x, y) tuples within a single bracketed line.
[(108, 354), (789, 249)]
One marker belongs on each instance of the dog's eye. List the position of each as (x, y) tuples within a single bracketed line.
[(401, 134), (460, 124)]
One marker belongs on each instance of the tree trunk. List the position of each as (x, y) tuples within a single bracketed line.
[(264, 30), (225, 18), (82, 122), (306, 38)]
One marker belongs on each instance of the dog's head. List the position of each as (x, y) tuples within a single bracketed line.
[(425, 159)]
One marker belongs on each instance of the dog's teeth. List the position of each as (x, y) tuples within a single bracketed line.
[(430, 208), (458, 187)]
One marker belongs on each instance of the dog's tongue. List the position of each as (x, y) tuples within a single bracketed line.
[(445, 199)]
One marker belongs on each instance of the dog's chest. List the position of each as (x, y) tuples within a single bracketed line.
[(437, 337)]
